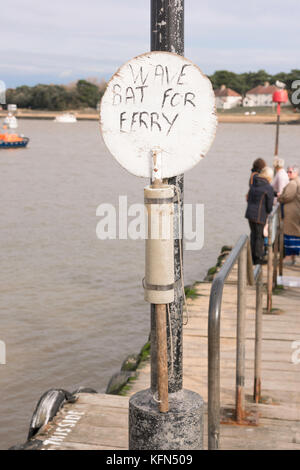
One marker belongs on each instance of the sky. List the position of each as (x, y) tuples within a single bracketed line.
[(61, 41)]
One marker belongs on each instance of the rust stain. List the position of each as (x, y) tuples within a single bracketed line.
[(239, 409), (249, 418), (257, 390)]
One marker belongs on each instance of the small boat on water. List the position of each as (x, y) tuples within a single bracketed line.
[(12, 140), (11, 121), (67, 117)]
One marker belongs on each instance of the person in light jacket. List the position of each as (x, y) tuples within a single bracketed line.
[(260, 203), (290, 198), (281, 178)]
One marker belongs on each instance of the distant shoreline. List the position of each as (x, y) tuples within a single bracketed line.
[(223, 118)]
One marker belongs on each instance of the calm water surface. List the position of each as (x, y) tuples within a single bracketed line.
[(71, 305)]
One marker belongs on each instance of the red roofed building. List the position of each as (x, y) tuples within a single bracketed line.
[(227, 98), (261, 95)]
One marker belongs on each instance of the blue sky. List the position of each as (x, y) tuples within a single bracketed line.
[(63, 40)]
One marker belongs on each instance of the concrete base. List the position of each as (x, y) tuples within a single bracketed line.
[(181, 428)]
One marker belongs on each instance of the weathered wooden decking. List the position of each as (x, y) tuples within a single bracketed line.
[(98, 421)]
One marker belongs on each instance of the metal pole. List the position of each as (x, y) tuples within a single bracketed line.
[(281, 243), (270, 266), (277, 130), (276, 245), (240, 337), (258, 338), (250, 275), (213, 405), (167, 34)]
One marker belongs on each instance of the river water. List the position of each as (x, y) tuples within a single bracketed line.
[(72, 305)]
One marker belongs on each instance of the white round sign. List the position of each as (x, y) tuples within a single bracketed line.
[(158, 101)]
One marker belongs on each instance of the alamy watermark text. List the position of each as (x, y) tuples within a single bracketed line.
[(131, 222)]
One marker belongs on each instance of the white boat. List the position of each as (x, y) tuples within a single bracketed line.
[(67, 117), (11, 121)]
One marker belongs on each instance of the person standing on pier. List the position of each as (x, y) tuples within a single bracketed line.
[(290, 198), (260, 203), (281, 178), (258, 165)]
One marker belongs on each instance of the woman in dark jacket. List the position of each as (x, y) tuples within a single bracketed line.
[(260, 203), (258, 165)]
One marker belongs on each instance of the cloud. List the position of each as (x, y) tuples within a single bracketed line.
[(74, 39)]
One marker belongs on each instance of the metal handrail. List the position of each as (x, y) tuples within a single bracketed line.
[(240, 253), (275, 237)]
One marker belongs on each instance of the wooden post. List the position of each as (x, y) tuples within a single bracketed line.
[(162, 357)]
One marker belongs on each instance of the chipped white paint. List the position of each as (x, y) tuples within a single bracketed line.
[(158, 100), (63, 429)]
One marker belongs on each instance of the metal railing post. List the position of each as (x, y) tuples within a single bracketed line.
[(258, 337), (276, 250), (214, 368), (239, 252), (281, 243), (240, 344), (250, 275), (270, 265)]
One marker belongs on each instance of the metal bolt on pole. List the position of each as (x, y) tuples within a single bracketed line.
[(241, 320)]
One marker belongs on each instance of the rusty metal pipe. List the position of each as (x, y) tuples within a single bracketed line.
[(240, 335), (270, 265), (214, 324), (258, 337), (281, 244)]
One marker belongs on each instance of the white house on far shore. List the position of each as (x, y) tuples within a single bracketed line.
[(261, 95), (227, 98)]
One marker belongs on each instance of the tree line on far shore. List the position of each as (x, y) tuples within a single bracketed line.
[(87, 93), (243, 82), (81, 94)]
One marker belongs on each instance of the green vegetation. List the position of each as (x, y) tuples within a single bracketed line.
[(278, 290), (121, 383), (190, 292), (212, 271), (82, 94), (127, 387), (144, 353)]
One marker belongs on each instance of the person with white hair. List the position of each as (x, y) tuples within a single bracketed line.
[(290, 198), (281, 178), (260, 203)]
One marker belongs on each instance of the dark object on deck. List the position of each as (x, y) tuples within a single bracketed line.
[(47, 407)]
